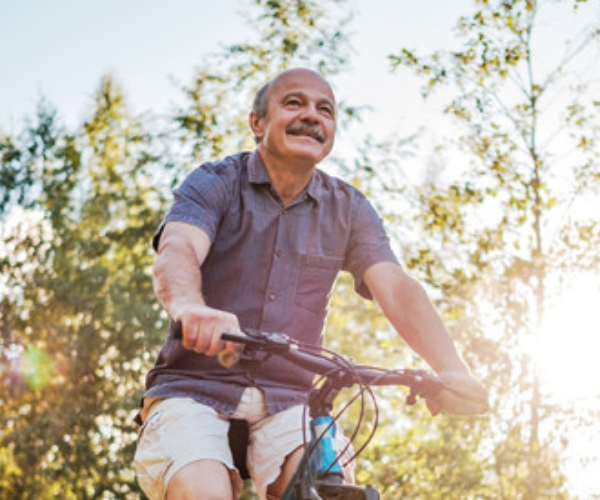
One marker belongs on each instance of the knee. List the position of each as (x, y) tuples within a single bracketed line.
[(274, 494), (202, 480), (201, 489)]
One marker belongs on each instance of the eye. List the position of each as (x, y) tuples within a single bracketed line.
[(326, 109), (293, 102)]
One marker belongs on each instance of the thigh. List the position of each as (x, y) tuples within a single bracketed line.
[(275, 448), (277, 445), (179, 432), (277, 488), (204, 480)]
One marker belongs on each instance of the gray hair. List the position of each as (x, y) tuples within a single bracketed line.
[(259, 105)]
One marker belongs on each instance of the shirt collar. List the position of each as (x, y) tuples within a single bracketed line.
[(257, 174), (315, 186)]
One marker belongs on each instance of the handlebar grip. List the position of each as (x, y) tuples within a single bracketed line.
[(176, 329), (226, 358), (237, 338)]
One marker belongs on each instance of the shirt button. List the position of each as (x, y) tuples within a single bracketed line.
[(272, 297), (278, 253), (284, 211)]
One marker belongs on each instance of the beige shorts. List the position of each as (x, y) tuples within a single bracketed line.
[(177, 432)]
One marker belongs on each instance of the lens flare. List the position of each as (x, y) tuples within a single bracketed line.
[(37, 368)]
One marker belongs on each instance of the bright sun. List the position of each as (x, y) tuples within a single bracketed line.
[(569, 349)]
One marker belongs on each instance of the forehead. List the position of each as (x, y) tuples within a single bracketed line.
[(304, 82)]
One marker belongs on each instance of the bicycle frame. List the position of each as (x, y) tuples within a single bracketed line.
[(319, 475)]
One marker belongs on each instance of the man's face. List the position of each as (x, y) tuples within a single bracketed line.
[(301, 118)]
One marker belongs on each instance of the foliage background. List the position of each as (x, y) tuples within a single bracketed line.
[(80, 326)]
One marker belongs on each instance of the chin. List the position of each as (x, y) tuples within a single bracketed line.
[(309, 157), (312, 154)]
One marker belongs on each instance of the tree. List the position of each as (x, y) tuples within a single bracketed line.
[(80, 322), (528, 131), (79, 210), (210, 132), (290, 33), (80, 315)]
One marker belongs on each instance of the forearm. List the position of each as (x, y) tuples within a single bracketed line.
[(407, 306), (413, 316), (177, 274), (176, 285)]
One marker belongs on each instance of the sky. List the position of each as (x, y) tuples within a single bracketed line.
[(61, 48)]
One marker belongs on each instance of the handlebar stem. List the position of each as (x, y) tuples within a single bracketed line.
[(321, 399)]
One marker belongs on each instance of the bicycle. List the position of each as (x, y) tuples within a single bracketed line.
[(319, 475)]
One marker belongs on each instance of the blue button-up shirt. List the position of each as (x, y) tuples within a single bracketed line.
[(271, 265)]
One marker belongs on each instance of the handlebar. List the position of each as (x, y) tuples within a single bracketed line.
[(257, 344)]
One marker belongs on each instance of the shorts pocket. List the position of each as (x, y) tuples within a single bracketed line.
[(315, 282), (152, 459)]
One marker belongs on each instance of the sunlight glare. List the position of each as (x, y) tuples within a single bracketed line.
[(569, 351)]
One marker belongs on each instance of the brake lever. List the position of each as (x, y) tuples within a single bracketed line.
[(276, 343), (423, 386), (258, 346)]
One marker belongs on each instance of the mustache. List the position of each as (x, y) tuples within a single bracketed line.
[(308, 129)]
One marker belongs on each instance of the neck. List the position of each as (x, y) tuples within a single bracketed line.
[(289, 178)]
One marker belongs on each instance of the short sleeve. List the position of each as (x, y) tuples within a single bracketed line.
[(201, 201), (368, 244)]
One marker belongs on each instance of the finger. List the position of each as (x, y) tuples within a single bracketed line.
[(477, 407), (236, 347), (202, 341), (459, 405), (471, 392), (228, 358), (216, 344), (189, 335), (474, 400), (231, 354), (465, 389), (434, 405)]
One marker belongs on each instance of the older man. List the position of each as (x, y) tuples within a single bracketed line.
[(256, 241)]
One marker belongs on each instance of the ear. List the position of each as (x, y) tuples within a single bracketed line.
[(257, 126)]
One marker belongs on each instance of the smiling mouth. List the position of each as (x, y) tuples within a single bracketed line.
[(303, 130)]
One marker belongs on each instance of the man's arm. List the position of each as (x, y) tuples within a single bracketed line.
[(178, 286), (407, 306)]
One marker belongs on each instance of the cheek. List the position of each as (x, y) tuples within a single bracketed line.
[(274, 138), (330, 129), (328, 148), (331, 134), (333, 127)]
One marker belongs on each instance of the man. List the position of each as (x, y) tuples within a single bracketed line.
[(256, 241)]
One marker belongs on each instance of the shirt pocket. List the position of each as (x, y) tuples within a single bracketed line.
[(315, 282)]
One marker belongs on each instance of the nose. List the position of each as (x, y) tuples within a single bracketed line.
[(310, 113)]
